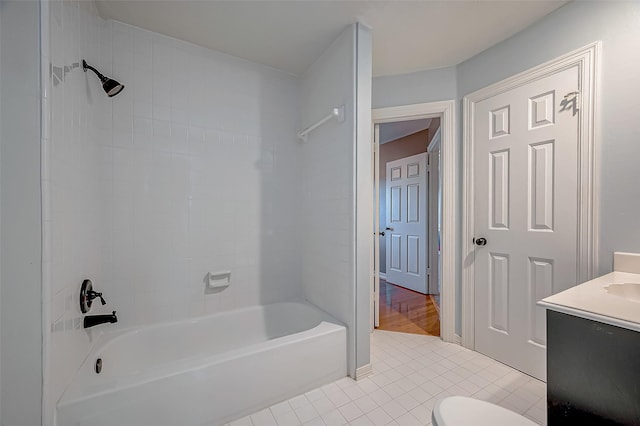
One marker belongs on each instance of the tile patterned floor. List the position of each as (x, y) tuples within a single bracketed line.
[(411, 373)]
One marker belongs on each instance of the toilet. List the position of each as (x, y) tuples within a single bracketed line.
[(463, 411)]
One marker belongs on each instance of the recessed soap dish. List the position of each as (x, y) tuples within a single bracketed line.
[(219, 280)]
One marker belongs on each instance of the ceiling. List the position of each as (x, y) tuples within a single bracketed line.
[(289, 35), (399, 129)]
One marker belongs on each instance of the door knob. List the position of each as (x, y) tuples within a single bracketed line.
[(382, 234), (388, 229), (480, 241)]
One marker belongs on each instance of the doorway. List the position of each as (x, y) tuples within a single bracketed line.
[(408, 215), (445, 257)]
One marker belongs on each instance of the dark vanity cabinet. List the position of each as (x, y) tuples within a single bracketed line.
[(593, 372)]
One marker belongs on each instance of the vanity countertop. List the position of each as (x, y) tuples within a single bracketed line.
[(605, 299)]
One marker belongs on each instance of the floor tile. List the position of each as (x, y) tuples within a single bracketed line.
[(380, 396), (334, 418), (411, 373), (315, 422), (323, 405), (280, 408), (306, 413), (288, 419), (362, 421), (422, 413), (393, 409), (366, 404), (350, 411), (379, 417), (264, 418), (407, 419), (314, 395), (339, 398), (298, 401)]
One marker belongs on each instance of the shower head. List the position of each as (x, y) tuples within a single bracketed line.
[(110, 86)]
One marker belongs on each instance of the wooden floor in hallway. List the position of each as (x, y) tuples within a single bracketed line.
[(407, 311)]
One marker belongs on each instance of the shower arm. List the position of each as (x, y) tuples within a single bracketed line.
[(86, 66)]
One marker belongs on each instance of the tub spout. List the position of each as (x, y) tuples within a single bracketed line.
[(91, 320)]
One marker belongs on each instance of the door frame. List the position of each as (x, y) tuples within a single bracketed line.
[(587, 60), (448, 151), (375, 288), (432, 232)]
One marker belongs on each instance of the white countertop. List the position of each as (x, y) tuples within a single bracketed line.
[(591, 300)]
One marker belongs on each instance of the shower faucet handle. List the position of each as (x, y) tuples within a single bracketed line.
[(93, 294), (87, 295)]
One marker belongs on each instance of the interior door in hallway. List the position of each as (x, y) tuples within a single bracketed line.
[(525, 214), (406, 230)]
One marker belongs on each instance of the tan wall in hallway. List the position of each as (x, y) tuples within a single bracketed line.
[(433, 127)]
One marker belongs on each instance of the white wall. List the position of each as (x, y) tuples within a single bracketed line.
[(328, 262), (414, 88), (363, 172), (329, 182), (20, 230), (617, 24)]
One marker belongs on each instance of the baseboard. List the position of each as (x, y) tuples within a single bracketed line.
[(435, 305), (450, 337), (382, 276), (364, 371)]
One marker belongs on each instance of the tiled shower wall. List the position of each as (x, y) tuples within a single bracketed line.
[(204, 180), (193, 168), (76, 163)]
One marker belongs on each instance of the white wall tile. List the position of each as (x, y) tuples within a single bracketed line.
[(153, 189), (79, 169)]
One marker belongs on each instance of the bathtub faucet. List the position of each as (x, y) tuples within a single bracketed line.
[(91, 320)]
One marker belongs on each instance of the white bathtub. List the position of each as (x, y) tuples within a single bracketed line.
[(208, 370)]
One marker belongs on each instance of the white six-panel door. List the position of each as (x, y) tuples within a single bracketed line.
[(406, 233), (526, 206)]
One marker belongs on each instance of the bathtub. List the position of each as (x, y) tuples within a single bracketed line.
[(205, 371)]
